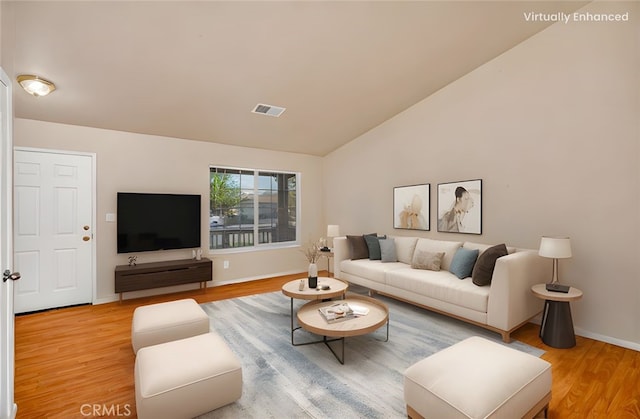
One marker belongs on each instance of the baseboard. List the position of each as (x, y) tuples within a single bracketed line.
[(596, 336), (608, 339), (106, 300), (256, 278)]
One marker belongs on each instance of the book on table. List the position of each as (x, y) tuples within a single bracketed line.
[(341, 311)]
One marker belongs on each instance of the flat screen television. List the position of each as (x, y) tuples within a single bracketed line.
[(151, 221)]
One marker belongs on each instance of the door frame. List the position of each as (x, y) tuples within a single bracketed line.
[(94, 228), (8, 406)]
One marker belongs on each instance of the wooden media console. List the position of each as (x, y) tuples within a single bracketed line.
[(145, 276)]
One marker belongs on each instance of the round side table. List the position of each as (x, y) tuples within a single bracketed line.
[(556, 329)]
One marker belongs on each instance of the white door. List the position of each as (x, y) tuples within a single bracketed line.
[(7, 403), (53, 232)]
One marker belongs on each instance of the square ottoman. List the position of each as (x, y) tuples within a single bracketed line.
[(164, 322), (477, 378), (186, 378)]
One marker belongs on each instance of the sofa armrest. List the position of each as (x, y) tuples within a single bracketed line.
[(341, 252), (511, 302)]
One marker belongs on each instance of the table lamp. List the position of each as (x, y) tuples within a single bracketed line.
[(333, 231), (555, 248)]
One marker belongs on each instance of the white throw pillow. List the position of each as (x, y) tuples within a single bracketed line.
[(404, 248)]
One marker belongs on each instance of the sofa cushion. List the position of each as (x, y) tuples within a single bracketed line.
[(463, 262), (388, 250), (373, 270), (441, 285), (430, 261), (358, 246), (373, 244), (404, 248), (483, 270), (448, 247)]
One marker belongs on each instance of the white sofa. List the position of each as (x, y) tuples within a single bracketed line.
[(503, 306)]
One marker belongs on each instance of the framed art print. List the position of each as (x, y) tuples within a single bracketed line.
[(460, 207), (411, 207)]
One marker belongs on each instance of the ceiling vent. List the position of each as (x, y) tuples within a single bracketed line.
[(268, 110)]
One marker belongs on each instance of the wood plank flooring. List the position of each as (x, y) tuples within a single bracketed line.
[(77, 362)]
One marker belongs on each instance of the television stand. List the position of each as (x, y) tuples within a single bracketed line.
[(145, 276)]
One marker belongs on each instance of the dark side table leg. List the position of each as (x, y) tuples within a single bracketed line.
[(556, 329)]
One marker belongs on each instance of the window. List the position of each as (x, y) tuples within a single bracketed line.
[(251, 208)]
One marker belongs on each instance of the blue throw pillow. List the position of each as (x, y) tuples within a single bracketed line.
[(463, 261), (388, 250)]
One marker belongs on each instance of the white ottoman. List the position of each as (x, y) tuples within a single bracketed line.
[(186, 378), (164, 322), (477, 378)]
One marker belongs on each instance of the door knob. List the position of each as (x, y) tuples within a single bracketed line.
[(8, 275), (86, 238)]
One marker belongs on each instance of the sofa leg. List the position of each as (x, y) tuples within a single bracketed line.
[(543, 414), (412, 414), (506, 337)]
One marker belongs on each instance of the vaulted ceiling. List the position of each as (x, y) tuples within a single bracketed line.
[(196, 69)]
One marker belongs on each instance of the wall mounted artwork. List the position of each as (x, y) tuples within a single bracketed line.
[(460, 207), (411, 207)]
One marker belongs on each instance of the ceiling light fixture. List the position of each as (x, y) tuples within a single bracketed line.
[(35, 85)]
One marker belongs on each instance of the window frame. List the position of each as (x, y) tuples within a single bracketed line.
[(256, 210)]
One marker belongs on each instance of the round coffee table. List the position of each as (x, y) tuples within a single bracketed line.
[(311, 320), (337, 288), (291, 289)]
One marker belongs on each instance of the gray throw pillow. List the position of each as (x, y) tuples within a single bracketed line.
[(373, 244), (388, 250), (463, 262), (483, 270), (427, 260)]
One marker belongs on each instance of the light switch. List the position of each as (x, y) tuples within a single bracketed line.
[(111, 217)]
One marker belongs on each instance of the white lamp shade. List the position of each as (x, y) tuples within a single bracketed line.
[(333, 230), (555, 247)]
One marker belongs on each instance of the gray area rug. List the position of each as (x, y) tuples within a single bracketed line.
[(285, 381)]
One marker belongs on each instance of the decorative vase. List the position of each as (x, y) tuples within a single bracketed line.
[(313, 275)]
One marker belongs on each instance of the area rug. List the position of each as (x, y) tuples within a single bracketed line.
[(281, 380)]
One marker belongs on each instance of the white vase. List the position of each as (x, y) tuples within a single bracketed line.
[(313, 275)]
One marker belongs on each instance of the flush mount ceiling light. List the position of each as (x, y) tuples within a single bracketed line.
[(35, 85)]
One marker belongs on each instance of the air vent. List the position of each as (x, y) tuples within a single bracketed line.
[(268, 110)]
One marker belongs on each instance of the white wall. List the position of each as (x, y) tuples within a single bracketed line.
[(7, 35), (551, 127), (144, 163)]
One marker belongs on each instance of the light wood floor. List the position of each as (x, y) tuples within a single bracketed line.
[(77, 362)]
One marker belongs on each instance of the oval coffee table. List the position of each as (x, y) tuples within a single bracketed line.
[(311, 320), (291, 289)]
